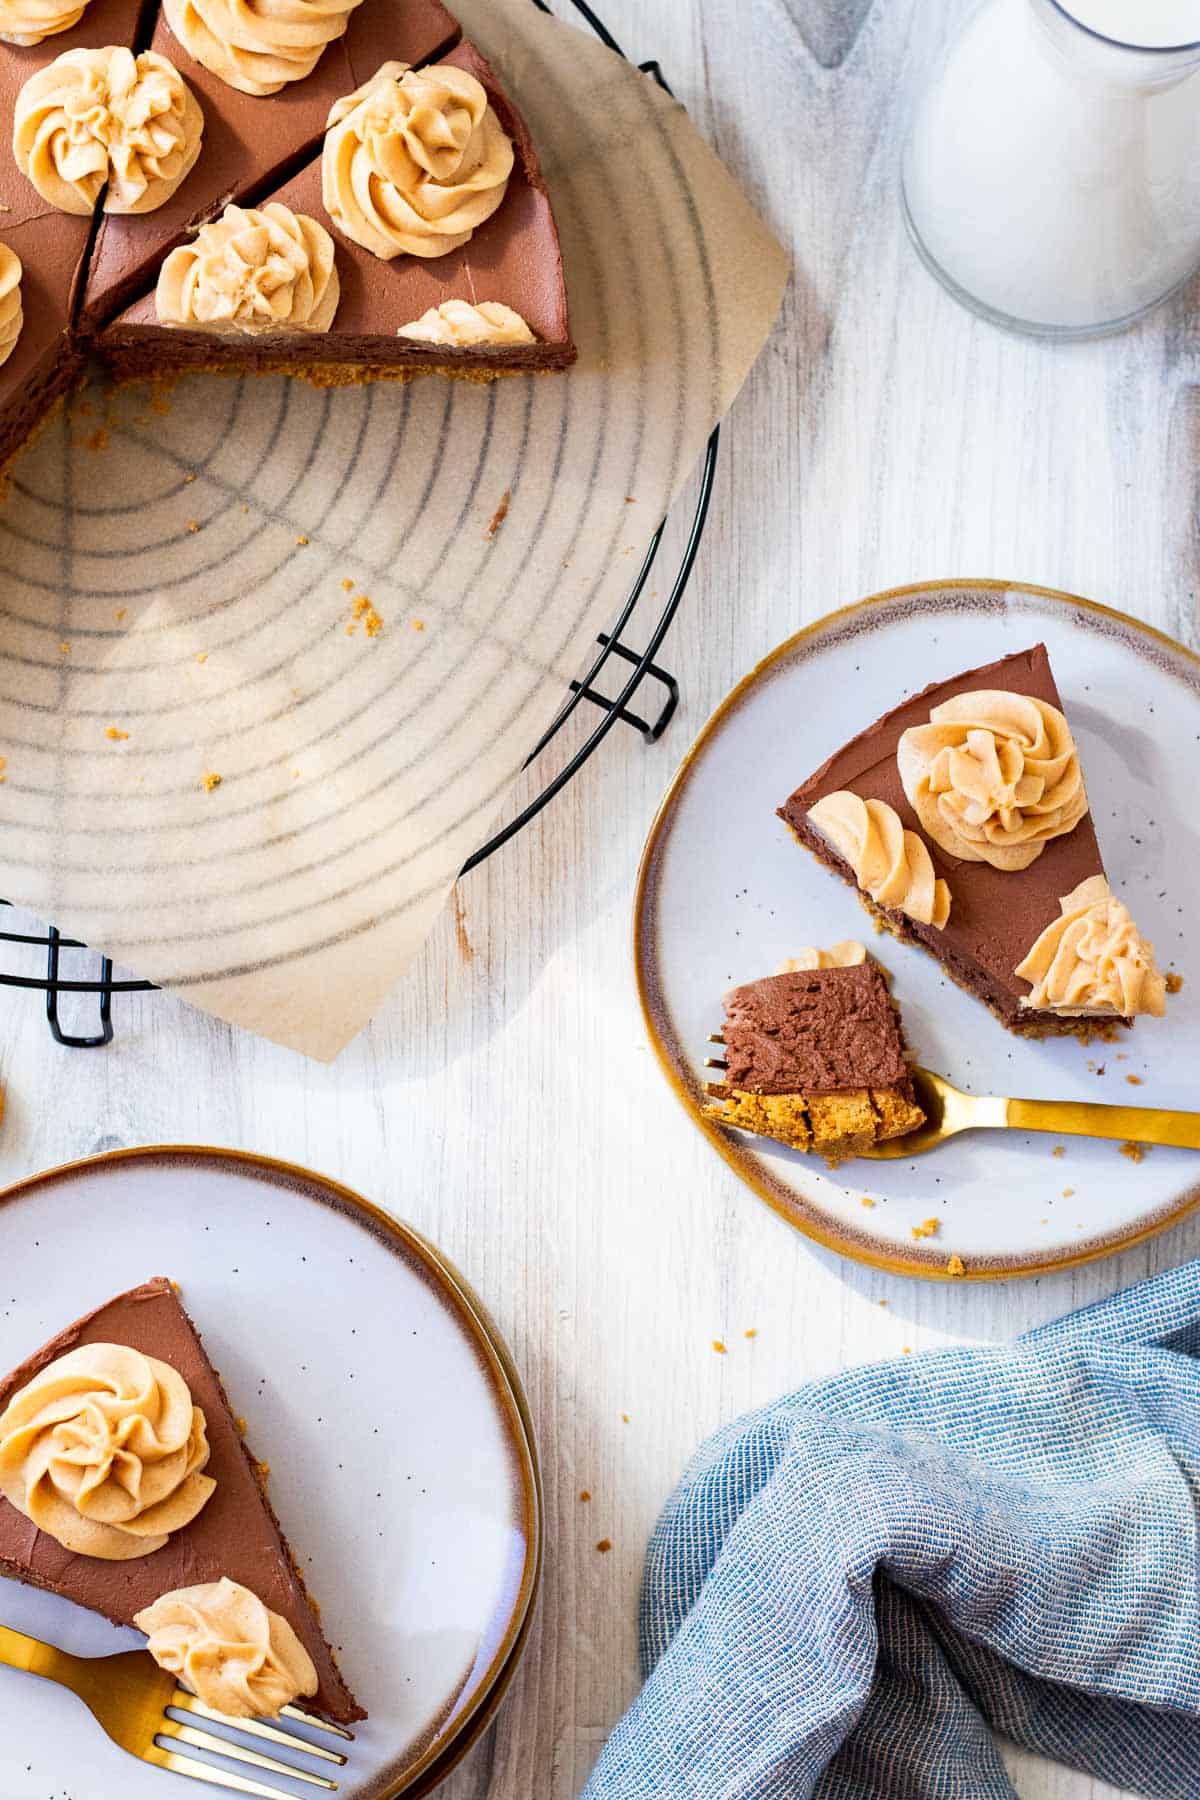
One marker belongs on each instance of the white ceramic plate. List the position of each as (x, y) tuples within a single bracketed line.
[(726, 894), (423, 1549)]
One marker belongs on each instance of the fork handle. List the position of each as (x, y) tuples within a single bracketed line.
[(28, 1654), (1089, 1118)]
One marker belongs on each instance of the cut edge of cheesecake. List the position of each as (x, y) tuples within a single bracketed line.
[(1003, 998), (152, 1318), (836, 1122)]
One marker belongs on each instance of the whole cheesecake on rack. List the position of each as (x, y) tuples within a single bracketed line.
[(344, 193)]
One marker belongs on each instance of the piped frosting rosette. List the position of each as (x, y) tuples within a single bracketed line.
[(12, 315), (1093, 959), (415, 161), (993, 777), (460, 325), (103, 1450), (105, 119), (253, 269), (236, 1655), (890, 863), (846, 955), (27, 22), (258, 46)]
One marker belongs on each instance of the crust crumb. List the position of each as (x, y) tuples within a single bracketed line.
[(193, 524), (1134, 1080), (115, 733), (500, 514), (719, 1347), (1059, 1150), (753, 1332), (866, 1200), (121, 614), (956, 1266), (1135, 1152), (1174, 982), (604, 1546), (3, 768), (210, 781), (585, 1495), (624, 1418), (927, 1229), (1067, 1193), (64, 649), (302, 541)]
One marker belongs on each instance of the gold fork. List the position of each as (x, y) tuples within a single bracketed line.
[(948, 1111), (128, 1695)]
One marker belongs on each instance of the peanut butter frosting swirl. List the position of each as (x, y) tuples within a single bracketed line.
[(846, 955), (253, 269), (12, 315), (458, 324), (1093, 959), (258, 46), (103, 1451), (235, 1654), (104, 118), (993, 777), (27, 22), (889, 862), (414, 161)]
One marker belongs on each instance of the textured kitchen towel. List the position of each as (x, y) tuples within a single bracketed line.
[(851, 1589)]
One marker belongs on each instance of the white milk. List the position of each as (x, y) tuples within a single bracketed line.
[(1152, 24), (1053, 180)]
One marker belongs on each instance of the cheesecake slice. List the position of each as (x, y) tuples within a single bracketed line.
[(234, 1535), (1000, 877), (511, 261), (815, 1058), (252, 142)]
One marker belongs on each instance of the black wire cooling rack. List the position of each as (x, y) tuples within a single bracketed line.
[(637, 668)]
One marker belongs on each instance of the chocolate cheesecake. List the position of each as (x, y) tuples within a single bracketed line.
[(231, 163), (234, 1536), (985, 920), (816, 1059), (513, 258)]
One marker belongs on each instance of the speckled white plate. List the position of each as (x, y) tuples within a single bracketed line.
[(726, 894), (420, 1537)]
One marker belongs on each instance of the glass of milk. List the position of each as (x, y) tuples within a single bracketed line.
[(1052, 177)]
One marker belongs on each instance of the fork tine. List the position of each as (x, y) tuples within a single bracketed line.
[(716, 1037), (713, 1062), (294, 1712), (201, 1771), (221, 1746), (186, 1702)]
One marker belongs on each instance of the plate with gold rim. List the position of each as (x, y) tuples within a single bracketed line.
[(725, 895), (421, 1539)]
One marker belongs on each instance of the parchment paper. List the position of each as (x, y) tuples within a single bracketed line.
[(175, 570)]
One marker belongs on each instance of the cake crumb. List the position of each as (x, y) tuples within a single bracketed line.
[(190, 476), (347, 585), (115, 733), (630, 500), (359, 605), (1134, 1080), (866, 1200), (1174, 982), (752, 1332), (372, 623), (500, 514), (209, 782), (906, 1349), (604, 1546), (1135, 1152), (1100, 1069), (956, 1266), (1059, 1150), (64, 649), (719, 1347), (418, 624), (302, 540), (883, 1303), (240, 1422), (202, 656), (160, 404), (193, 524), (585, 1495), (98, 439), (928, 1228), (3, 768), (121, 614), (1068, 1193), (624, 1418)]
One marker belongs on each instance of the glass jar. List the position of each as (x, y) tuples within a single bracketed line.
[(1052, 176)]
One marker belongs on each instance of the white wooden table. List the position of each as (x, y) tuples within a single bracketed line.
[(506, 1100)]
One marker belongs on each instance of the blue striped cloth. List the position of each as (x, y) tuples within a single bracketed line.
[(852, 1589)]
